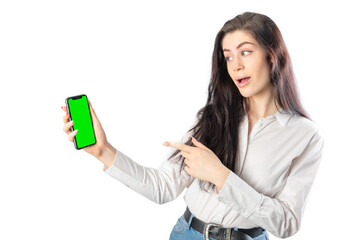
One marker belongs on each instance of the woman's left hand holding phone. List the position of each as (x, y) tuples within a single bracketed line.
[(102, 149)]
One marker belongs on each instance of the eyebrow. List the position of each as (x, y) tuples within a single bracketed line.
[(238, 46)]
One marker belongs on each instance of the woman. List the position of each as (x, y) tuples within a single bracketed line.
[(252, 156)]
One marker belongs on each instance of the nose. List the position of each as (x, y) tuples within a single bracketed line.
[(237, 64)]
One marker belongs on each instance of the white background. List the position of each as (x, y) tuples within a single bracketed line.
[(145, 66)]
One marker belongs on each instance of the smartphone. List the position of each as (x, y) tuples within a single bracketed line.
[(79, 111)]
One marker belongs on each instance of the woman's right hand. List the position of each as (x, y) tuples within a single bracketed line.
[(102, 149)]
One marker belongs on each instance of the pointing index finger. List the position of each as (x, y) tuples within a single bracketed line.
[(182, 147)]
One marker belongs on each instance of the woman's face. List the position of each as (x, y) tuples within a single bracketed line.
[(247, 64)]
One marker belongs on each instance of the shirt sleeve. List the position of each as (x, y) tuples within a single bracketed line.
[(282, 214), (159, 185)]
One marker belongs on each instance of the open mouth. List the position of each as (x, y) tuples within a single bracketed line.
[(244, 79)]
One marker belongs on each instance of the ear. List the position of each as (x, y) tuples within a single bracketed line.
[(271, 59)]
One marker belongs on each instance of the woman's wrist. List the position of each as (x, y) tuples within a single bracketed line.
[(107, 155), (221, 177)]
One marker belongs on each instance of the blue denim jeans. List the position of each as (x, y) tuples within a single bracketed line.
[(183, 231)]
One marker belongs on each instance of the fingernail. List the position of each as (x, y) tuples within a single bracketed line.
[(166, 144), (194, 139)]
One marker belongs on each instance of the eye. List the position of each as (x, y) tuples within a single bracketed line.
[(245, 53), (228, 59)]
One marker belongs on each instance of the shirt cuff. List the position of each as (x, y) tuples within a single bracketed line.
[(239, 195), (106, 168), (119, 171)]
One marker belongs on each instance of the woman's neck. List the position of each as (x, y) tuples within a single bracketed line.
[(261, 106)]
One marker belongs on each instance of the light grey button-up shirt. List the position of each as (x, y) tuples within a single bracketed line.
[(277, 165)]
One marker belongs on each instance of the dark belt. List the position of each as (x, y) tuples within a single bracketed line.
[(216, 231)]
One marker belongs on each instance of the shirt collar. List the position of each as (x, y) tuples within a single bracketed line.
[(283, 116)]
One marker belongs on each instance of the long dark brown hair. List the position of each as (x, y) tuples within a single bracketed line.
[(218, 121)]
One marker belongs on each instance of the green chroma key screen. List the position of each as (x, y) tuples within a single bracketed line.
[(80, 114)]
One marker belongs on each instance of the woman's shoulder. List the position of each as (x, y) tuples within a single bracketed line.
[(304, 132), (304, 125)]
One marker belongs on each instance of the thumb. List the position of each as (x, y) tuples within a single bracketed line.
[(198, 144)]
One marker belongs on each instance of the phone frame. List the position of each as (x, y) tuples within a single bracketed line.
[(70, 118)]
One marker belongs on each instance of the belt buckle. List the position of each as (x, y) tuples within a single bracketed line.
[(210, 225)]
